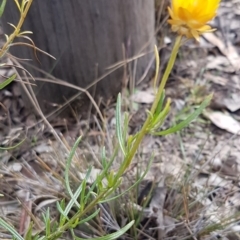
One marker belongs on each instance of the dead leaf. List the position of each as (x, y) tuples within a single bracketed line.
[(232, 104), (45, 203), (220, 63), (15, 167), (221, 102), (224, 121), (226, 49), (216, 79), (143, 97), (43, 147)]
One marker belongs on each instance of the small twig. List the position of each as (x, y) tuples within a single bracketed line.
[(190, 231)]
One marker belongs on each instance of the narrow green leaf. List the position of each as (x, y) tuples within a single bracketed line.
[(83, 193), (75, 196), (7, 81), (160, 103), (188, 120), (132, 186), (11, 229), (149, 113), (69, 160), (125, 125), (63, 214), (39, 238), (93, 186), (103, 157), (13, 147), (47, 223), (112, 236), (28, 235), (2, 7), (160, 117), (119, 125), (87, 219), (111, 179), (130, 140), (103, 173), (157, 62)]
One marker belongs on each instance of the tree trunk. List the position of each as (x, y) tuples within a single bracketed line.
[(86, 37)]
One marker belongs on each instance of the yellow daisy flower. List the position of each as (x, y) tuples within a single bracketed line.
[(189, 17)]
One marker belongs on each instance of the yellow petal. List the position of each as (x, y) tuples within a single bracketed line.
[(170, 12), (184, 14), (205, 28), (195, 34)]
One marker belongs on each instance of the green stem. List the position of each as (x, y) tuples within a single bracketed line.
[(143, 131), (78, 215), (17, 29)]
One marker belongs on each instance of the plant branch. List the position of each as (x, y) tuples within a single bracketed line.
[(17, 29), (144, 130)]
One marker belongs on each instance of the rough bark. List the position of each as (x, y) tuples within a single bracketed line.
[(86, 37)]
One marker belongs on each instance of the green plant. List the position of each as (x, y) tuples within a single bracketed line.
[(87, 199), (23, 10)]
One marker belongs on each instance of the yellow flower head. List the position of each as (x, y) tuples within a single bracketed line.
[(189, 17)]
